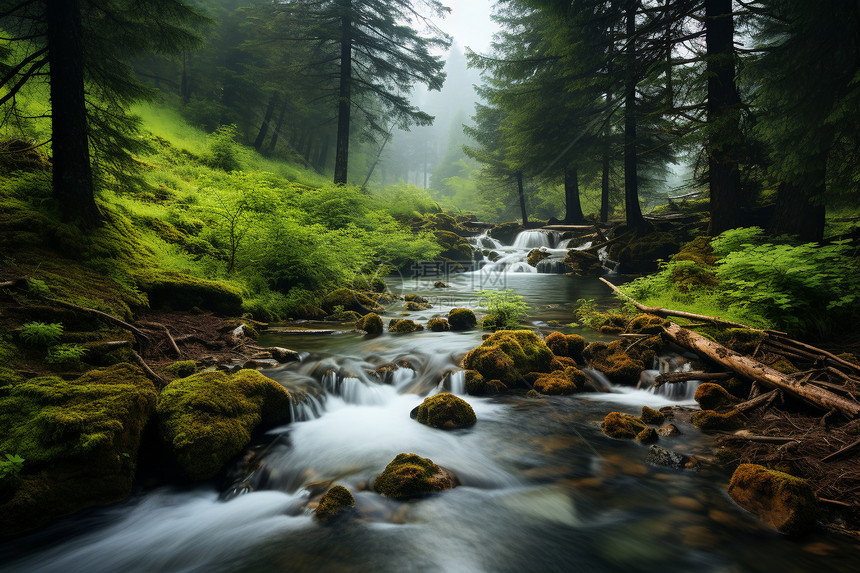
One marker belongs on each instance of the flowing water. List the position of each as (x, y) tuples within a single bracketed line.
[(542, 488)]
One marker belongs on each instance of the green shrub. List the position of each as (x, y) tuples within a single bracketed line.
[(224, 152), (41, 334), (65, 354), (11, 466), (505, 309)]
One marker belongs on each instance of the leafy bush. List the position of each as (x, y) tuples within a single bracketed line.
[(224, 153), (11, 466), (65, 354), (41, 334), (505, 309)]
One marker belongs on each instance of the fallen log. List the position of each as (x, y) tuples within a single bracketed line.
[(680, 377), (767, 397), (822, 353), (759, 372), (142, 338), (678, 313), (750, 437)]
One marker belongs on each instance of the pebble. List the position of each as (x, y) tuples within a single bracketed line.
[(687, 503)]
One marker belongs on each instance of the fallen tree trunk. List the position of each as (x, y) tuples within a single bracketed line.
[(680, 377), (761, 373), (664, 312)]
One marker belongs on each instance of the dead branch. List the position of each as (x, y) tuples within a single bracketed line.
[(757, 401), (159, 381), (847, 449), (680, 377), (142, 338)]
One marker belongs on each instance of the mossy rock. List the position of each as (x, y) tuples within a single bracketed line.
[(410, 475), (617, 364), (170, 290), (477, 385), (568, 345), (415, 298), (404, 326), (182, 369), (508, 354), (780, 500), (561, 363), (417, 306), (345, 316), (652, 416), (454, 247), (349, 300), (438, 325), (647, 436), (561, 383), (536, 256), (505, 233), (622, 426), (583, 263), (334, 502), (370, 323), (79, 440), (462, 319), (714, 397), (207, 419), (646, 324), (710, 420), (446, 412), (308, 312)]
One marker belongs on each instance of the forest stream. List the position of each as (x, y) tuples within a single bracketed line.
[(542, 488)]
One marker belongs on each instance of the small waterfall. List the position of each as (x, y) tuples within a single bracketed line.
[(355, 391), (485, 241), (305, 407), (536, 239), (685, 391)]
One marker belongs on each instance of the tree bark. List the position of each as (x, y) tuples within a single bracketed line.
[(723, 118), (267, 119), (341, 166), (604, 184), (72, 172), (795, 214), (276, 135), (759, 372), (522, 195), (573, 208), (631, 174)]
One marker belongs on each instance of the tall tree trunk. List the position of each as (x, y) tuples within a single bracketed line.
[(631, 172), (522, 195), (723, 118), (323, 159), (273, 143), (72, 172), (604, 182), (795, 214), (573, 208), (184, 85), (264, 128), (341, 165)]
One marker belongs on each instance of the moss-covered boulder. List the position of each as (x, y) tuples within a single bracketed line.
[(370, 323), (622, 426), (446, 412), (403, 326), (462, 319), (417, 306), (207, 419), (477, 385), (562, 362), (438, 325), (415, 298), (714, 397), (780, 500), (583, 264), (454, 247), (614, 361), (646, 324), (505, 233), (508, 354), (652, 416), (536, 256), (344, 316), (641, 252), (710, 420), (182, 292), (334, 502), (182, 369), (647, 436), (567, 345), (79, 440), (349, 300), (410, 475)]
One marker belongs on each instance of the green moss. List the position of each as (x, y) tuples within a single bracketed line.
[(784, 502), (417, 306), (652, 416), (567, 345), (647, 436), (617, 364), (709, 420), (562, 362), (536, 256), (462, 319), (207, 419), (642, 251), (438, 325), (176, 291), (646, 324), (561, 383), (182, 369), (622, 426), (476, 385), (583, 263), (446, 411), (415, 298), (335, 501), (785, 366), (508, 354), (454, 247), (409, 475), (349, 300), (714, 397), (345, 316), (506, 232), (79, 439), (403, 326), (371, 323)]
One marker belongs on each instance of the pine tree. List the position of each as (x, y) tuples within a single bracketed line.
[(83, 48)]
